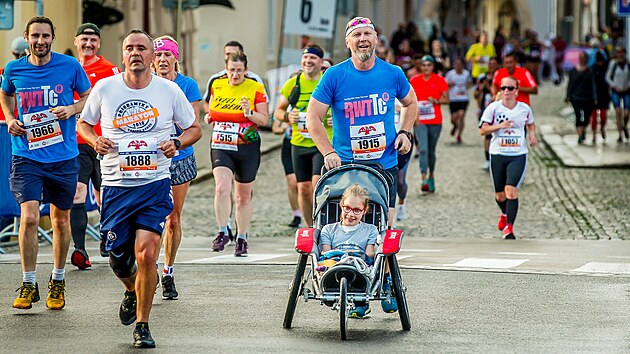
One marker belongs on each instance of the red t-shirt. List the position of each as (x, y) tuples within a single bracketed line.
[(429, 113), (100, 69), (524, 78)]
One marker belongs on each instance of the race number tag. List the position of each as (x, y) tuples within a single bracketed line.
[(225, 136), (137, 158), (509, 141), (368, 141), (426, 110), (302, 126), (483, 61), (42, 129)]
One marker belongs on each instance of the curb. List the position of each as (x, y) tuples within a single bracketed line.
[(206, 173)]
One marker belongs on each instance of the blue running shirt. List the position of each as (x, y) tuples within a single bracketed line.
[(363, 105), (40, 88), (191, 90)]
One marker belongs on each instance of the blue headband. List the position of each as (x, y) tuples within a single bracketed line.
[(314, 51)]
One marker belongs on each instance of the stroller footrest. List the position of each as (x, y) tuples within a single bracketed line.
[(305, 239), (392, 242)]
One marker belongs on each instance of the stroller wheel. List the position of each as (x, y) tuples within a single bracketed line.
[(295, 291), (399, 292), (343, 307)]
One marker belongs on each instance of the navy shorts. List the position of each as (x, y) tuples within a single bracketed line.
[(184, 170), (127, 209), (52, 182)]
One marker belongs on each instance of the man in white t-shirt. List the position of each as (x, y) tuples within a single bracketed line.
[(137, 111)]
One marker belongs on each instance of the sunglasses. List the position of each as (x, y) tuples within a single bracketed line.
[(509, 88), (355, 211), (359, 21)]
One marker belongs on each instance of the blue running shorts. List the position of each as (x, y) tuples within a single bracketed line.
[(46, 182), (127, 209)]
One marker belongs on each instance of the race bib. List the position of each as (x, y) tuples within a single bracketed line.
[(137, 158), (42, 129), (426, 110), (509, 141), (483, 61), (225, 136), (302, 126), (368, 141)]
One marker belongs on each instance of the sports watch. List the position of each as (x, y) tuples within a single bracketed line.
[(407, 134), (177, 143)]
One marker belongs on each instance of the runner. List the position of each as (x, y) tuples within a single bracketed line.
[(459, 81), (237, 106), (183, 165), (361, 91), (483, 95), (403, 164), (479, 54), (526, 83), (88, 41), (44, 167), (307, 160), (510, 123), (283, 128), (432, 91), (137, 111)]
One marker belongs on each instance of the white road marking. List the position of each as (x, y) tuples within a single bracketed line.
[(519, 253), (231, 259), (420, 250), (488, 263), (604, 267)]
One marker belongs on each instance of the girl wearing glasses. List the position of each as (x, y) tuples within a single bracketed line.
[(511, 124)]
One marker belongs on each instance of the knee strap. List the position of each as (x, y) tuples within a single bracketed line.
[(123, 262)]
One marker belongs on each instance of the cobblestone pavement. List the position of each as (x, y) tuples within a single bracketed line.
[(555, 202)]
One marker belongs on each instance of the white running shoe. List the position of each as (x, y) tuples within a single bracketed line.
[(401, 212), (486, 165)]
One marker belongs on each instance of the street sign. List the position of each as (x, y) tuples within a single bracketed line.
[(6, 14), (623, 8), (314, 18)]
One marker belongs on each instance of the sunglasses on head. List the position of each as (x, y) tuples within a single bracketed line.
[(509, 88), (359, 21)]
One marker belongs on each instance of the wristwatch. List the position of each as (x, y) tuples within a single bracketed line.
[(177, 143), (251, 113), (407, 134)]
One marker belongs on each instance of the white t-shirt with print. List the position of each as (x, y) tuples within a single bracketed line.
[(136, 120), (509, 141)]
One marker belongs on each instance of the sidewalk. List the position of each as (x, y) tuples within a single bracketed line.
[(557, 130)]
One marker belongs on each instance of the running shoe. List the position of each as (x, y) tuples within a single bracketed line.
[(104, 252), (55, 300), (360, 311), (459, 139), (142, 337), (502, 222), (220, 241), (168, 288), (127, 312), (508, 234), (29, 293), (241, 248), (80, 259), (295, 222), (486, 165), (425, 186), (431, 183), (388, 305), (401, 212)]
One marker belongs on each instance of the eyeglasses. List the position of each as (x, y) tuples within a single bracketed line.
[(355, 211), (509, 88)]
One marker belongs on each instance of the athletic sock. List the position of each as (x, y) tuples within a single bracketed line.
[(223, 229), (58, 274), (502, 205), (243, 236), (297, 213), (78, 224), (168, 271), (29, 277), (512, 209)]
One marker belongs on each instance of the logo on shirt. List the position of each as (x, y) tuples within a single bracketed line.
[(41, 96), (501, 118), (137, 144), (365, 106), (136, 116)]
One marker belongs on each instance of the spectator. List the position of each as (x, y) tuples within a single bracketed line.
[(442, 61), (582, 95), (603, 96), (618, 78)]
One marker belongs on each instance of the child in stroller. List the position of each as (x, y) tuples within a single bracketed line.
[(351, 235)]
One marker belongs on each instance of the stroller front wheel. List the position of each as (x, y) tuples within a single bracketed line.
[(343, 307)]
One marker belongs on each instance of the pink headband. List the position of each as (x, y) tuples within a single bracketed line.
[(166, 45)]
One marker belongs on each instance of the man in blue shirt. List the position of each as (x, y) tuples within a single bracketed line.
[(361, 91), (44, 150)]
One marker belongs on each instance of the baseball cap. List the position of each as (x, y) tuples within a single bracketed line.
[(19, 45), (88, 28)]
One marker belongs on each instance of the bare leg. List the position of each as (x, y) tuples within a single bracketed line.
[(27, 235)]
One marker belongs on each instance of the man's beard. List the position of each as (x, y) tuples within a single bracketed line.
[(364, 56)]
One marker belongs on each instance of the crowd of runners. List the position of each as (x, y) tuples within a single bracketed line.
[(131, 130)]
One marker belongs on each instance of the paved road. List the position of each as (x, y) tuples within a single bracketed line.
[(226, 308)]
